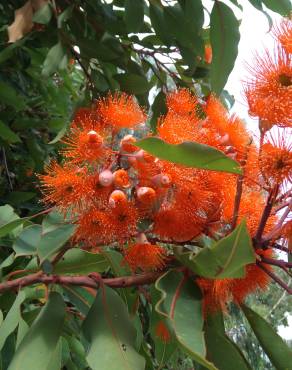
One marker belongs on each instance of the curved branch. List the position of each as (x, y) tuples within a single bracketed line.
[(81, 280)]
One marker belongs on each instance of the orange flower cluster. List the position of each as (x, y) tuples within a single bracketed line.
[(269, 91), (119, 195)]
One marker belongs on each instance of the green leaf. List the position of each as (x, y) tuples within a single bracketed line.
[(190, 154), (28, 241), (9, 220), (158, 21), (18, 197), (111, 334), (224, 37), (51, 242), (225, 259), (10, 97), (39, 344), (181, 303), (43, 15), (52, 221), (8, 135), (80, 297), (218, 343), (59, 135), (163, 349), (275, 348), (282, 7), (54, 60), (134, 15), (158, 108), (22, 330), (132, 83), (78, 261), (12, 319)]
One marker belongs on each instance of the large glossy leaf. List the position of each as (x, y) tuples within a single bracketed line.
[(12, 319), (225, 259), (275, 348), (77, 261), (190, 154), (133, 83), (52, 241), (218, 344), (283, 7), (28, 241), (163, 347), (43, 15), (10, 97), (224, 37), (111, 334), (9, 220), (158, 21), (55, 59), (7, 134), (134, 14), (39, 344), (181, 304)]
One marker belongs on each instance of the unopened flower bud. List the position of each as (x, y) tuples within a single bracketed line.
[(161, 179), (224, 139), (146, 195), (141, 239), (106, 178), (127, 144), (117, 198), (94, 137)]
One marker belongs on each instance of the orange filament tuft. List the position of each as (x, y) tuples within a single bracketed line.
[(269, 91), (64, 186), (120, 111), (275, 159), (84, 146), (283, 34), (208, 53), (217, 293), (117, 198), (146, 257), (121, 178), (162, 332), (127, 144), (146, 195), (181, 102)]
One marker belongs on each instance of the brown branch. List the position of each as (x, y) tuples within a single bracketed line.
[(274, 277), (82, 280), (279, 225), (279, 263), (265, 215), (281, 248)]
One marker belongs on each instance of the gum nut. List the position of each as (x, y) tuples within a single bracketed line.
[(106, 178)]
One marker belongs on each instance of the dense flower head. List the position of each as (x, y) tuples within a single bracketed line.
[(117, 192), (145, 256), (283, 34), (269, 89), (120, 110)]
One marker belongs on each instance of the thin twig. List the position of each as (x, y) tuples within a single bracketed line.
[(278, 227), (283, 295), (266, 214), (275, 278), (280, 263), (6, 169)]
